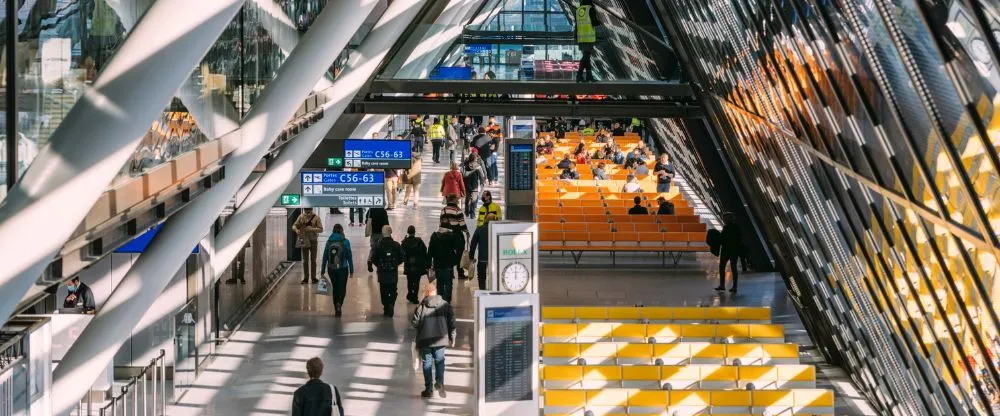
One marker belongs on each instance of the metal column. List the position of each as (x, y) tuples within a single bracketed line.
[(98, 136), (151, 273), (241, 224)]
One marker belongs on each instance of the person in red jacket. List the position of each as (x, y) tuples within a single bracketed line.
[(453, 183)]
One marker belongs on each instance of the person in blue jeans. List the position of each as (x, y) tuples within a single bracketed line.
[(434, 320)]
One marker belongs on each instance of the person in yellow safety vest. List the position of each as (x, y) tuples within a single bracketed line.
[(436, 134), (488, 207), (586, 36)]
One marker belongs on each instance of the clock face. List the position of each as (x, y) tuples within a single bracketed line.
[(515, 277)]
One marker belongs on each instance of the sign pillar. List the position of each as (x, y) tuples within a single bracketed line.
[(519, 189), (513, 260), (507, 353)]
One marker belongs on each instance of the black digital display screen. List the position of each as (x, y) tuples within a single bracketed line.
[(521, 174), (510, 337)]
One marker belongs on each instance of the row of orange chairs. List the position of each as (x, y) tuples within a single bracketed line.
[(603, 203), (611, 210), (602, 218), (601, 240), (599, 227)]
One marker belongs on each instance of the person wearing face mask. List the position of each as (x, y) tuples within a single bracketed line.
[(80, 296), (488, 207)]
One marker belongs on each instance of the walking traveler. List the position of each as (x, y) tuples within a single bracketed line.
[(391, 183), (453, 216), (316, 398), (388, 256), (479, 248), (444, 252), (452, 183), (474, 179), (412, 178), (489, 207), (375, 220), (586, 36), (451, 138), (418, 133), (437, 135), (307, 228), (732, 243), (415, 263), (434, 320), (338, 263)]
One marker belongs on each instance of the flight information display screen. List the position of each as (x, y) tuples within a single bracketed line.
[(521, 174), (509, 337), (343, 189), (377, 154)]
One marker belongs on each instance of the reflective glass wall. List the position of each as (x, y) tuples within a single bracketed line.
[(865, 134)]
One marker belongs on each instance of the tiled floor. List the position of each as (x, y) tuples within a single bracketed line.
[(367, 356)]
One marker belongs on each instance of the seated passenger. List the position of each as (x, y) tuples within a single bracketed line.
[(599, 173), (545, 145), (617, 156), (666, 207), (617, 130), (582, 158), (603, 137), (582, 147), (638, 209), (570, 172), (599, 154), (564, 163), (633, 160), (641, 169), (632, 185)]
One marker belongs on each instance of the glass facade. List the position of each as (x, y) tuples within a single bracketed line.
[(864, 135), (62, 46)]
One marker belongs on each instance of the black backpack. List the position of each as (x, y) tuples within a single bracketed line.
[(714, 240), (389, 256), (336, 258)]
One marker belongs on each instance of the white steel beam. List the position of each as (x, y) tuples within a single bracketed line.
[(238, 228), (442, 34), (150, 274), (98, 136)]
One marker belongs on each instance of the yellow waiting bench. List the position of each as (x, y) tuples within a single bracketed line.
[(655, 314), (662, 333), (689, 402), (678, 377), (622, 353)]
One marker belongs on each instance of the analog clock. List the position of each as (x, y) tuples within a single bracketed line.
[(515, 277)]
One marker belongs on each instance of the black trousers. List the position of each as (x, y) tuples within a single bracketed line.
[(585, 64), (445, 280), (413, 286), (339, 281), (388, 290), (481, 273), (436, 145), (731, 259)]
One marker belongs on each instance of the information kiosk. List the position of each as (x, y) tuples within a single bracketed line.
[(519, 189), (513, 262), (507, 353)]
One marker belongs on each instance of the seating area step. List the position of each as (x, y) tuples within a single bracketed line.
[(661, 333), (679, 377), (624, 353), (688, 402), (657, 314)]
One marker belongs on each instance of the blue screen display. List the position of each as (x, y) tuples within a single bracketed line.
[(508, 314), (478, 47), (451, 73), (377, 149), (357, 178), (139, 244), (522, 148)]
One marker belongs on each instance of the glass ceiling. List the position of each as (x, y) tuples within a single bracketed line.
[(525, 40)]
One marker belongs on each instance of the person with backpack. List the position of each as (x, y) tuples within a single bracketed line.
[(412, 180), (388, 256), (307, 227), (434, 321), (452, 215), (474, 179), (338, 263), (316, 398), (445, 251), (415, 263)]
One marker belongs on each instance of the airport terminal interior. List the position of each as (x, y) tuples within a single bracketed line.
[(500, 207)]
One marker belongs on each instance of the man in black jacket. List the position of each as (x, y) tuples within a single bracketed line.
[(316, 398), (80, 296), (415, 265), (480, 246), (732, 243), (445, 251), (388, 256), (435, 323), (379, 218)]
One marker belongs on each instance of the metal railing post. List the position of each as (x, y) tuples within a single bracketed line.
[(163, 383)]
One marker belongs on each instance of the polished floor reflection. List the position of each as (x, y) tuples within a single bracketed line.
[(368, 358)]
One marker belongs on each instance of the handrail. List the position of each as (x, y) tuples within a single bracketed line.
[(140, 399)]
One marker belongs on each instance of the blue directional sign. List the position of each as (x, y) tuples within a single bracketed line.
[(380, 154), (451, 73), (343, 189)]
